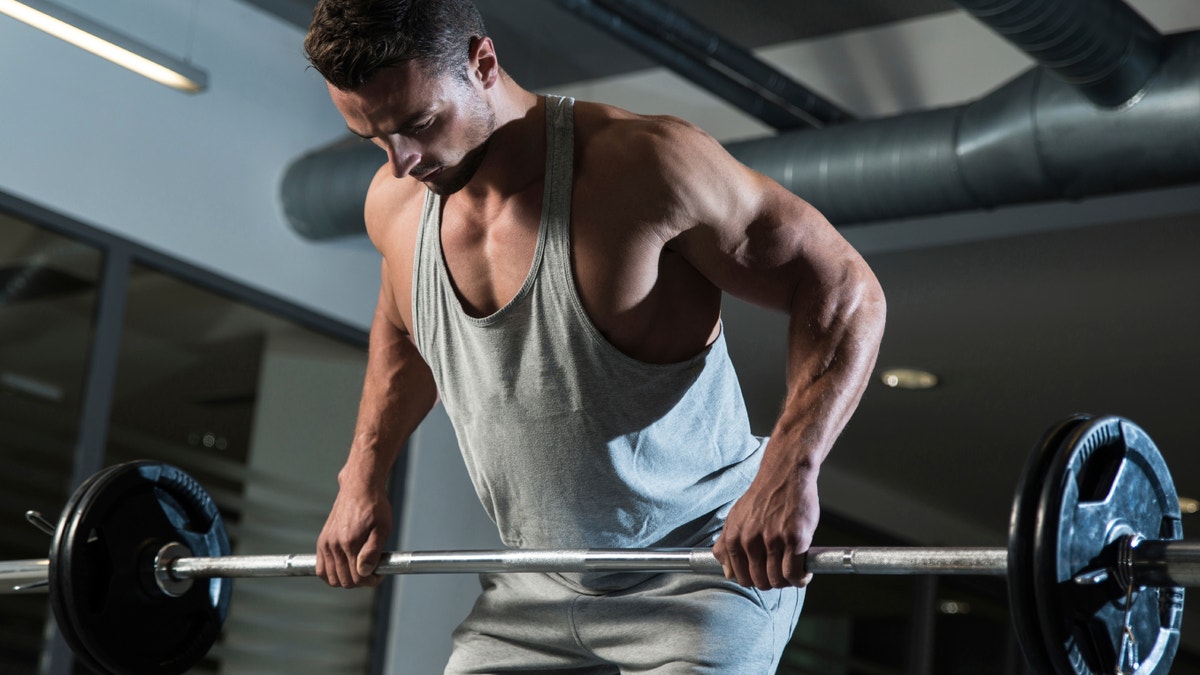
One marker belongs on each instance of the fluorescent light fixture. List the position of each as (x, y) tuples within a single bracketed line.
[(107, 43)]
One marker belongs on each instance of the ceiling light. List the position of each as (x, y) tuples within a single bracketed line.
[(1189, 505), (954, 607), (908, 378), (107, 43)]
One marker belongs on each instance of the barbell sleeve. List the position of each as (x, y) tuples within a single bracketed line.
[(1159, 562)]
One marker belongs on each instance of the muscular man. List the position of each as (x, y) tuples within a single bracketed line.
[(553, 270)]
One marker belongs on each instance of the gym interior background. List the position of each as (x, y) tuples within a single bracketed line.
[(157, 301)]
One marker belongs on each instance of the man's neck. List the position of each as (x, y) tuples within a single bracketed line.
[(516, 149)]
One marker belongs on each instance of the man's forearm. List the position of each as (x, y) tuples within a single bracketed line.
[(398, 392), (833, 341)]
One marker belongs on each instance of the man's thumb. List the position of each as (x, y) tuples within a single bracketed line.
[(367, 562)]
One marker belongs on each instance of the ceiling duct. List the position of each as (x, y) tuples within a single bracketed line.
[(1104, 49), (711, 61), (1041, 136), (324, 191)]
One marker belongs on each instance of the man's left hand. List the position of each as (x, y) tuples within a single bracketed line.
[(768, 531)]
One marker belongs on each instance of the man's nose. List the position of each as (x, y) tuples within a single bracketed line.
[(402, 156)]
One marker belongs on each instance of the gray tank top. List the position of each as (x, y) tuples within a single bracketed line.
[(569, 442)]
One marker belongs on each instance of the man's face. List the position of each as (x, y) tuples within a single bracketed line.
[(434, 129)]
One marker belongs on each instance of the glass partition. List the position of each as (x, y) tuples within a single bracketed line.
[(253, 397), (260, 411), (48, 298)]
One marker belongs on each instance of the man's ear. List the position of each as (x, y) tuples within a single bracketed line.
[(483, 64)]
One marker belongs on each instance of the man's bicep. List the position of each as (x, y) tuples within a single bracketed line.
[(759, 242), (399, 389), (386, 307)]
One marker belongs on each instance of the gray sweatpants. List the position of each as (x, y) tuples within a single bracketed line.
[(671, 623)]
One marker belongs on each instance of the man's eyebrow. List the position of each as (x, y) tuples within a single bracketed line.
[(412, 121)]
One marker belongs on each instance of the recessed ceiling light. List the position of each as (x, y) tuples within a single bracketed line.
[(954, 607), (1189, 505), (908, 378)]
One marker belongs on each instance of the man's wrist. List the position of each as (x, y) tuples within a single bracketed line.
[(365, 469)]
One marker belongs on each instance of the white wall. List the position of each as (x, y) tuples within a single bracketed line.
[(196, 176)]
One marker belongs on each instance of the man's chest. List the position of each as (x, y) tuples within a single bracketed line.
[(644, 298)]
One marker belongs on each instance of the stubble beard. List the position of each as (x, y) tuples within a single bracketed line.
[(479, 133)]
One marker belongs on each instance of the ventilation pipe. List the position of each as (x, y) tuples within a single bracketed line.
[(1116, 108), (324, 191), (711, 61), (1039, 137), (1105, 49)]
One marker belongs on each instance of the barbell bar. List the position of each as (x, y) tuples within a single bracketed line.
[(1153, 563), (1095, 562), (175, 563)]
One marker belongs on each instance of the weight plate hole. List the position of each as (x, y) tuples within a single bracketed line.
[(1099, 472)]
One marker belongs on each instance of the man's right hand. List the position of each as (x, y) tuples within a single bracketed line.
[(353, 538)]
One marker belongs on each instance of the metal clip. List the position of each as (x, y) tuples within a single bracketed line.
[(1128, 653), (36, 519)]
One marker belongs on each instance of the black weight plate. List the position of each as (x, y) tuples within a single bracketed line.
[(102, 587), (59, 599), (1107, 480), (1021, 598)]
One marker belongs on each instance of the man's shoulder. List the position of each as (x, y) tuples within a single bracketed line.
[(604, 128), (392, 214), (659, 160), (392, 203)]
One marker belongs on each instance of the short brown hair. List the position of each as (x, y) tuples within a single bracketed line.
[(350, 40)]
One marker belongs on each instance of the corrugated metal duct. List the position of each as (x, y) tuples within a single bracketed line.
[(1036, 138)]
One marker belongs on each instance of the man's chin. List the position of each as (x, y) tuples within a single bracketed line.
[(445, 185), (451, 179)]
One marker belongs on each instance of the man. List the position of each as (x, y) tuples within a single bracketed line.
[(553, 271)]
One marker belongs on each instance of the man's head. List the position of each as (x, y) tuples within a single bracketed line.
[(349, 41), (411, 76)]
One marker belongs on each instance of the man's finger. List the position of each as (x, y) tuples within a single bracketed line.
[(345, 569), (775, 576), (757, 563), (794, 571), (741, 567)]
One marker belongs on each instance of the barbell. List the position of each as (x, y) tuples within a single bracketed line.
[(139, 570)]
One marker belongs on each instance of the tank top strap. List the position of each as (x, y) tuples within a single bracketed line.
[(556, 205)]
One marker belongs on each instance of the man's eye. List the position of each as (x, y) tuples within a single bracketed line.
[(422, 127)]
